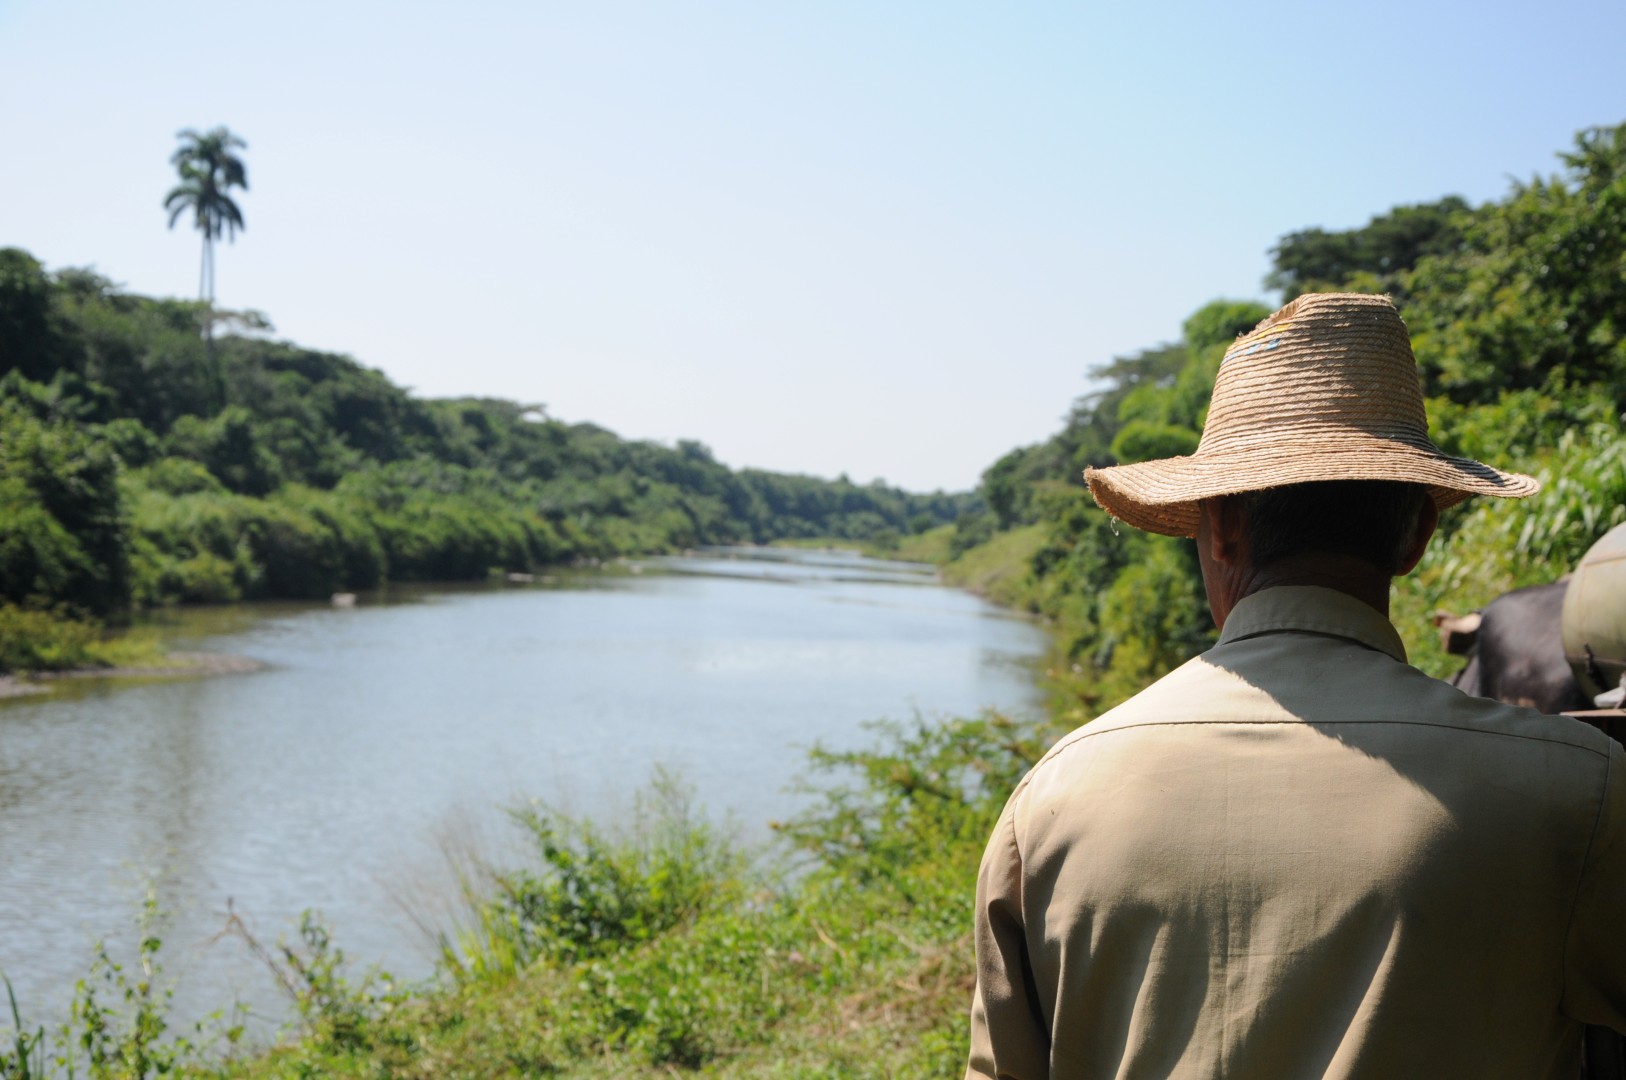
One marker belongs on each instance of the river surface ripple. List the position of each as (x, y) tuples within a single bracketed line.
[(379, 735)]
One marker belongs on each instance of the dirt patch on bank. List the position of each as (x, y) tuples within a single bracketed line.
[(13, 687), (176, 665)]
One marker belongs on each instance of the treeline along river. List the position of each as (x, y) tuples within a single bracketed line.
[(378, 734)]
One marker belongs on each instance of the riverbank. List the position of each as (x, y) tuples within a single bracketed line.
[(41, 650), (173, 665), (37, 644), (930, 546)]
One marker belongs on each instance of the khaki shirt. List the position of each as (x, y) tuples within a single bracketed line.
[(1297, 856)]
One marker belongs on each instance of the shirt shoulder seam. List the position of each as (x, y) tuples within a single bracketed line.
[(1080, 736)]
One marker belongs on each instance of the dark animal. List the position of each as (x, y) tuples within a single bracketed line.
[(1517, 656)]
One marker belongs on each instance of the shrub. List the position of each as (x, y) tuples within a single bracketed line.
[(63, 533), (32, 639), (231, 447), (1143, 440), (594, 892), (178, 476)]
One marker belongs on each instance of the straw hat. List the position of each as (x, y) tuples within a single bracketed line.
[(1325, 389)]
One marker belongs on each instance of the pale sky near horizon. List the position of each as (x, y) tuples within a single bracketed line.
[(881, 239)]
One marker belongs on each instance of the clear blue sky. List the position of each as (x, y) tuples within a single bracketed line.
[(886, 239)]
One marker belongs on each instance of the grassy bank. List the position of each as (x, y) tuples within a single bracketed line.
[(40, 640), (999, 569), (929, 546)]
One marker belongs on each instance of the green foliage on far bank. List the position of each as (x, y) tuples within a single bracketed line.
[(139, 467)]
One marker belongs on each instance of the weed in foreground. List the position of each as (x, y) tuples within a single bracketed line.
[(25, 1059), (118, 1026), (591, 892)]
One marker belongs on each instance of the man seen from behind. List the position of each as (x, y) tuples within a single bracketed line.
[(1297, 856)]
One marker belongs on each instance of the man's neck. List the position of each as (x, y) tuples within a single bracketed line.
[(1345, 573)]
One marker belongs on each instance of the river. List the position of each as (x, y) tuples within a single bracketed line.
[(379, 736)]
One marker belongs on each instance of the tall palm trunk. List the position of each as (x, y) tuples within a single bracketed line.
[(206, 293)]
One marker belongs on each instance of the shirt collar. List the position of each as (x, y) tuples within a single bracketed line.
[(1312, 609)]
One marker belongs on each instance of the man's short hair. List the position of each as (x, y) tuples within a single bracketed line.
[(1375, 520)]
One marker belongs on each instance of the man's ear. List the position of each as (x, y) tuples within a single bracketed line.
[(1222, 528), (1427, 521)]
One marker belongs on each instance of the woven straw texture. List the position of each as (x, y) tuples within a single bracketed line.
[(1325, 389)]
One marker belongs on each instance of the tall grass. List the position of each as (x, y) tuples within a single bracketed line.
[(1493, 545), (26, 1058)]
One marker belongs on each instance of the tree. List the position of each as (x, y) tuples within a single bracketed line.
[(1373, 257), (1534, 298), (28, 341), (209, 169), (63, 534)]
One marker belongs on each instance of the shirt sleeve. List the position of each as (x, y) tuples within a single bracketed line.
[(1595, 961), (1009, 1037)]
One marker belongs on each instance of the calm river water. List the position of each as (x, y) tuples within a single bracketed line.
[(379, 735)]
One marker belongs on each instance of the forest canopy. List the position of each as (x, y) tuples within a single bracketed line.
[(141, 465)]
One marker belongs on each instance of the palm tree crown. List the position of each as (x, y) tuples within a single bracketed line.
[(209, 169)]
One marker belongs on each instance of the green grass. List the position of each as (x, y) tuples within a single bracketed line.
[(32, 639), (1000, 569), (818, 543), (931, 546), (38, 640)]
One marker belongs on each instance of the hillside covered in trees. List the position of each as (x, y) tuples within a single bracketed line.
[(1517, 311), (142, 464)]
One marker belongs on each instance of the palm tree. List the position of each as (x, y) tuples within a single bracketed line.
[(209, 170)]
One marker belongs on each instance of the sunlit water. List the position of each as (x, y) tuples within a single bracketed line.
[(379, 735)]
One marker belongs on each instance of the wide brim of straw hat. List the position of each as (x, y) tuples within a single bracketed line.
[(1325, 389), (1162, 496)]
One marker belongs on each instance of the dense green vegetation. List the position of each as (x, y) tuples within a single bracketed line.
[(140, 467), (1518, 315), (666, 950)]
